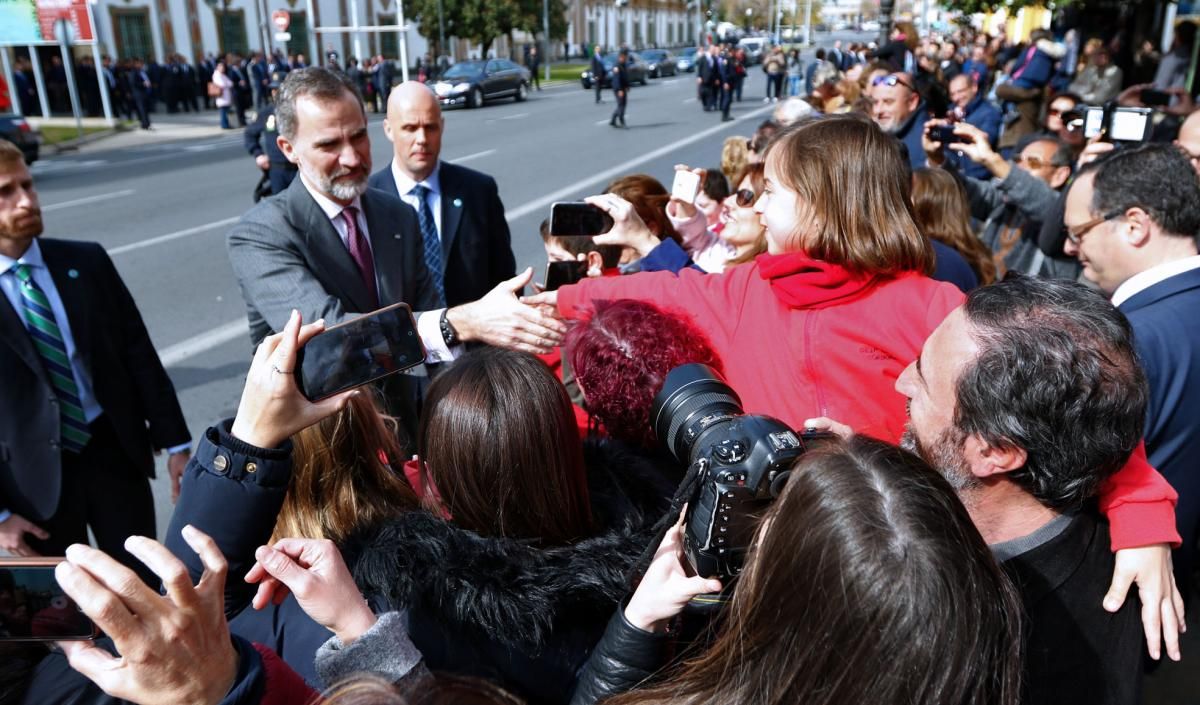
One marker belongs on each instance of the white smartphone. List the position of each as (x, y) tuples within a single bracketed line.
[(686, 186)]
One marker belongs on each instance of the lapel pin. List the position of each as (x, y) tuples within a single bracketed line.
[(458, 203), (73, 273), (396, 235)]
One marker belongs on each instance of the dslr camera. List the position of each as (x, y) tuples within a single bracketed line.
[(741, 462)]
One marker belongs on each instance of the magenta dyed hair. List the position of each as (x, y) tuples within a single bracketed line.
[(621, 356)]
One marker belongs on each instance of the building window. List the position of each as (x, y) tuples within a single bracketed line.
[(233, 31), (298, 28), (389, 46), (131, 30), (591, 33)]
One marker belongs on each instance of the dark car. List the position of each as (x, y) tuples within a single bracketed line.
[(14, 129), (634, 64), (687, 60), (659, 62), (470, 83)]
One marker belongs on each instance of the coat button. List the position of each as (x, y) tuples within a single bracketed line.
[(251, 468), (220, 464)]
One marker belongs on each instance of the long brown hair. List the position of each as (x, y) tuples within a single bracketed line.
[(499, 442), (649, 198), (868, 583), (852, 187), (943, 213), (343, 477)]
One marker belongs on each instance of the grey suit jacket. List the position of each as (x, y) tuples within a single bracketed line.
[(287, 255)]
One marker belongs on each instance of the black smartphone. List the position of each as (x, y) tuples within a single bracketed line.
[(1151, 96), (945, 135), (362, 350), (34, 608), (578, 219), (563, 273)]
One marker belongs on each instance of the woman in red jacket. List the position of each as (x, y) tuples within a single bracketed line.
[(823, 324)]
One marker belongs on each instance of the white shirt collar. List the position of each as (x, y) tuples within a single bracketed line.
[(32, 257), (1155, 275), (331, 208), (404, 183)]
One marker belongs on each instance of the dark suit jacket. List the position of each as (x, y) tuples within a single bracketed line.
[(286, 254), (127, 377), (1168, 343), (476, 244)]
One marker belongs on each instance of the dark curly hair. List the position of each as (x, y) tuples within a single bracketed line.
[(621, 356)]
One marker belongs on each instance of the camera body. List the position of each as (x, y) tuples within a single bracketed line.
[(742, 460)]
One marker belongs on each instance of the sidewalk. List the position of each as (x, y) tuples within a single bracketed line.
[(164, 127)]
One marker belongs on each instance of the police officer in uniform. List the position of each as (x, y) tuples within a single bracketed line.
[(620, 86), (260, 142)]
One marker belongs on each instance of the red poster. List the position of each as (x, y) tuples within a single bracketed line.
[(74, 11)]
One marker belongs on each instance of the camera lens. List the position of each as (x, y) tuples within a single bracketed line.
[(691, 399)]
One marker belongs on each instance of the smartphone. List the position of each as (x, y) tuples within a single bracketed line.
[(578, 219), (34, 608), (1150, 96), (1130, 124), (686, 186), (945, 135), (1093, 121), (362, 350), (563, 273)]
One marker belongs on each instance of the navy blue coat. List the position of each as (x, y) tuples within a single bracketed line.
[(987, 117), (1168, 343)]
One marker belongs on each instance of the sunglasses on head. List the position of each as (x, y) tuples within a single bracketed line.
[(892, 80), (745, 197)]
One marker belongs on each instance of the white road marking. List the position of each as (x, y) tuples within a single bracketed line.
[(173, 236), (625, 167), (469, 157), (603, 122), (204, 342), (690, 100), (88, 199)]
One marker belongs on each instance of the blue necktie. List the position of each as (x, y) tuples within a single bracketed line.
[(48, 340), (429, 237)]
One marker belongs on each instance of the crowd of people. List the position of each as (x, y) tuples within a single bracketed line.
[(983, 312)]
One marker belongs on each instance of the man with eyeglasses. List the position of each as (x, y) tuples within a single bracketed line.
[(897, 108), (1015, 201), (1132, 218)]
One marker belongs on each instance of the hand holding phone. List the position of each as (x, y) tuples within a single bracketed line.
[(578, 219), (39, 609), (559, 274), (1152, 97), (359, 351)]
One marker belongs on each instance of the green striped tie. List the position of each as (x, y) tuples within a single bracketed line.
[(48, 340)]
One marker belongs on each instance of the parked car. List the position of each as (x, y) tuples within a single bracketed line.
[(635, 65), (15, 129), (870, 26), (659, 62), (686, 61), (470, 83)]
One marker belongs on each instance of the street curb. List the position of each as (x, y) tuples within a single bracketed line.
[(74, 144)]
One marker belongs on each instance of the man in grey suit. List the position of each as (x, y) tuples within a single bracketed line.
[(332, 248)]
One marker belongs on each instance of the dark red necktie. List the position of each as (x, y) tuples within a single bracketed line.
[(360, 250)]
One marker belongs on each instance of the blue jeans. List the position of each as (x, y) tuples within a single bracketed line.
[(224, 110), (793, 85)]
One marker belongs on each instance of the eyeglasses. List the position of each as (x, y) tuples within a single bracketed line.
[(745, 197), (1075, 234), (892, 80), (1031, 161)]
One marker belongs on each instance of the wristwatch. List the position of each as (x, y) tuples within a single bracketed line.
[(448, 333)]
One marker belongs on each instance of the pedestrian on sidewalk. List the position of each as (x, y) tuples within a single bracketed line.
[(139, 89), (224, 97)]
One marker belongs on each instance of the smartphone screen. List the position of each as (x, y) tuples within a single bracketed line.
[(1129, 124), (34, 608), (1149, 96), (348, 355), (1093, 122), (563, 273), (578, 219)]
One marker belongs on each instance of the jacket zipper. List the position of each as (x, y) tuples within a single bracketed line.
[(809, 320)]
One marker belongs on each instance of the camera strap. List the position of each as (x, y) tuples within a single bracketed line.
[(685, 491)]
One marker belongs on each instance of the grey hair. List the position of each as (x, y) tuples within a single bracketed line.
[(314, 82)]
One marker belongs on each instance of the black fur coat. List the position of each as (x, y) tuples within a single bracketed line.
[(522, 615)]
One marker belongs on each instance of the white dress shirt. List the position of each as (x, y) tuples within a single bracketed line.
[(433, 182), (429, 323), (1155, 275)]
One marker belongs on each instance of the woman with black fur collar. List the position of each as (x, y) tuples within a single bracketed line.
[(519, 556)]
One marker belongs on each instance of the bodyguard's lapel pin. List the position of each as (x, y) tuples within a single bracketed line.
[(458, 203), (73, 273)]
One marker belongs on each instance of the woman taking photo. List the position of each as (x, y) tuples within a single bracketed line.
[(514, 561), (737, 238), (823, 324)]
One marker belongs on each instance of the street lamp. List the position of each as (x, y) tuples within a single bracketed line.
[(749, 13)]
